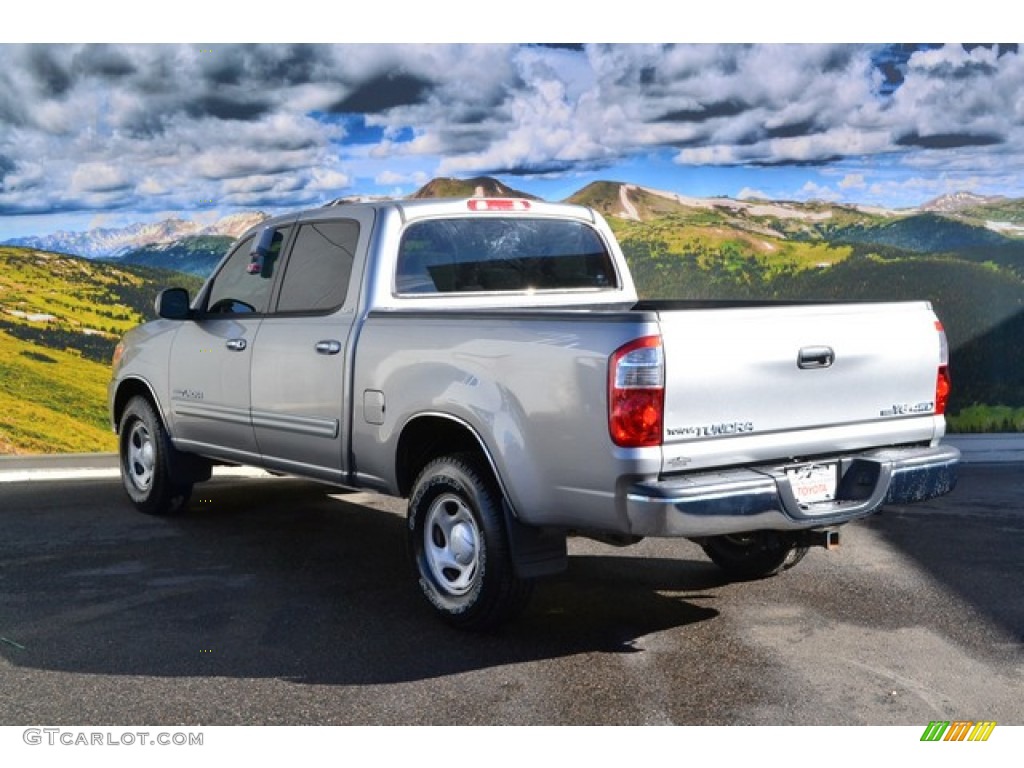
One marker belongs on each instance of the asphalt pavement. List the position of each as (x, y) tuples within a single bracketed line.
[(278, 601)]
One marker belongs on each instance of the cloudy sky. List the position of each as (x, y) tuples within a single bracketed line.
[(109, 134)]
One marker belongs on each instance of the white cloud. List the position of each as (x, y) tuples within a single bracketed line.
[(98, 177), (151, 186), (713, 155), (225, 163), (29, 175), (328, 180), (390, 178), (123, 124), (852, 181), (749, 193), (257, 190), (918, 188), (249, 184), (814, 191)]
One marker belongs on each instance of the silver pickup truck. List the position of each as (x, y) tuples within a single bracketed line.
[(488, 359)]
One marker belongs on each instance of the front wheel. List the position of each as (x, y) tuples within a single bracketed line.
[(150, 469), (459, 545), (754, 555)]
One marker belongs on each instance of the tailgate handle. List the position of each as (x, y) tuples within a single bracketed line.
[(815, 357)]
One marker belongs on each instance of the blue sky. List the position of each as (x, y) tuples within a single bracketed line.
[(105, 135)]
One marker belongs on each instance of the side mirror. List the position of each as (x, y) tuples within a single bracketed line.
[(173, 304), (260, 251)]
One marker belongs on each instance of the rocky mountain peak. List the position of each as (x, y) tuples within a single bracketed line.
[(956, 201)]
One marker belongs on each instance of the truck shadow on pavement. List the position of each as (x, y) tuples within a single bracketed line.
[(970, 541), (275, 579)]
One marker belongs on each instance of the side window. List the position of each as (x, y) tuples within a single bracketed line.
[(316, 278), (235, 289)]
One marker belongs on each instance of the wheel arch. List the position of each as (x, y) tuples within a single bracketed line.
[(429, 436), (128, 388), (196, 467), (535, 551)]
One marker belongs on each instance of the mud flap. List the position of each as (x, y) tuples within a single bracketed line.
[(535, 552)]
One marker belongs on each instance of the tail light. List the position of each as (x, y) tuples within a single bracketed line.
[(636, 393), (942, 381), (942, 387)]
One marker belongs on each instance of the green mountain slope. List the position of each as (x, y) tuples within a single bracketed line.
[(51, 401), (195, 255), (60, 318), (924, 233), (1010, 211), (486, 186)]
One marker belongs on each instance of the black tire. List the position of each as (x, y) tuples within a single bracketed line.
[(151, 468), (754, 555), (459, 545)]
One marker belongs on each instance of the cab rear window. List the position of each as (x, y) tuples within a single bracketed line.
[(499, 254)]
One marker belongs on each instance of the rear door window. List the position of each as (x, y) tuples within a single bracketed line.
[(317, 274)]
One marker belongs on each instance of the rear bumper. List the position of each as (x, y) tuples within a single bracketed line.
[(760, 498)]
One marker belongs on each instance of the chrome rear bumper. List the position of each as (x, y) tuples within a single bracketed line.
[(761, 498)]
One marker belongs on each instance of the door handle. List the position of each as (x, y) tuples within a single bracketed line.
[(328, 347), (235, 345)]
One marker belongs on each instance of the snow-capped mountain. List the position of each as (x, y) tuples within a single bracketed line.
[(234, 225), (956, 201), (105, 243)]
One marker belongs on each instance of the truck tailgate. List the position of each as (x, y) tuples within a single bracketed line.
[(766, 383)]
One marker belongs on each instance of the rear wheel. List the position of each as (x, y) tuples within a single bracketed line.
[(459, 545), (754, 555), (151, 468)]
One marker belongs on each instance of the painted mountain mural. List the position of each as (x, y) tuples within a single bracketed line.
[(61, 313)]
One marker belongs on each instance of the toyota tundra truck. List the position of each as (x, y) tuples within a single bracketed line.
[(489, 360)]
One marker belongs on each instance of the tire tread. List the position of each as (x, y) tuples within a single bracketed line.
[(503, 595), (170, 490)]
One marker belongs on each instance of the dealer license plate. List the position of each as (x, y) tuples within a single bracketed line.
[(812, 483)]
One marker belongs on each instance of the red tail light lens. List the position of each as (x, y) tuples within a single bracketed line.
[(942, 381), (636, 393), (942, 387)]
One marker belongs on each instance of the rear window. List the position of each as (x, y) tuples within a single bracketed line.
[(471, 255)]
